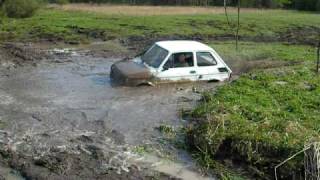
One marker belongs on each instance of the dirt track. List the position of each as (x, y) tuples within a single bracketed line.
[(60, 117)]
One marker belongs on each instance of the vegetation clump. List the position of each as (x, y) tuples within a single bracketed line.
[(20, 8), (259, 120), (60, 2)]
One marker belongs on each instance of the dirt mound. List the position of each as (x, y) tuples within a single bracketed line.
[(18, 54), (309, 35)]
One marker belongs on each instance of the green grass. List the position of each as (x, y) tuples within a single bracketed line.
[(264, 51), (142, 149), (81, 26), (263, 117)]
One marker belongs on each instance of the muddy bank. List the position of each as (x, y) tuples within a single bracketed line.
[(16, 54), (87, 163), (296, 35), (305, 35)]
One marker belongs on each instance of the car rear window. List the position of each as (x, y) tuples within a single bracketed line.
[(205, 59)]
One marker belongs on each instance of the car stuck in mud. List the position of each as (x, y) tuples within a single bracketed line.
[(171, 61)]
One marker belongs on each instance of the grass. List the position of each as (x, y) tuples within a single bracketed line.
[(110, 9), (253, 55), (264, 51), (81, 26), (142, 149), (262, 118), (167, 129)]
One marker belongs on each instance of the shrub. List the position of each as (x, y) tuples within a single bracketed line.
[(20, 8), (61, 2), (318, 5), (310, 5)]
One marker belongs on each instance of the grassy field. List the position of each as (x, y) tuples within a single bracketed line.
[(148, 10), (74, 26), (264, 51)]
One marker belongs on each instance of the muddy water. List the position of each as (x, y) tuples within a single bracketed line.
[(82, 85), (183, 169), (71, 94), (10, 174)]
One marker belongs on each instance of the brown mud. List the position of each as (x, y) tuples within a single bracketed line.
[(307, 35)]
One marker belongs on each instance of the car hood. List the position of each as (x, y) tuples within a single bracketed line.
[(132, 70)]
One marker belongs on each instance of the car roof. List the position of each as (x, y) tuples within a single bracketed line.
[(182, 45)]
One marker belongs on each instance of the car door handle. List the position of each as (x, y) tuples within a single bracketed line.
[(192, 72)]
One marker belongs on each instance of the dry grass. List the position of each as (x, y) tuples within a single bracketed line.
[(148, 10)]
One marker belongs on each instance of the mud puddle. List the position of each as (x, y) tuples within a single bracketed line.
[(67, 104)]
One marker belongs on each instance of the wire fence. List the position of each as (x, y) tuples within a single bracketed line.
[(311, 161)]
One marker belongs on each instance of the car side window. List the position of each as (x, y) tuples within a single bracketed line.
[(205, 59), (184, 59)]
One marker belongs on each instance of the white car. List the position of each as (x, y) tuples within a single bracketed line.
[(172, 61)]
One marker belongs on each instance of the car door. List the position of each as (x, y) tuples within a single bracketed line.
[(176, 70), (209, 67)]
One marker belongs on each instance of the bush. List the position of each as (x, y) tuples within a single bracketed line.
[(61, 2), (309, 5), (318, 5), (20, 8)]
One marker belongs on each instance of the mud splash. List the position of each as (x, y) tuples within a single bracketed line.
[(181, 169)]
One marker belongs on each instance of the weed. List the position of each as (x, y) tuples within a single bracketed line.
[(166, 129), (143, 149)]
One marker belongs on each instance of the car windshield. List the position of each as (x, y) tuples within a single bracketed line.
[(154, 56)]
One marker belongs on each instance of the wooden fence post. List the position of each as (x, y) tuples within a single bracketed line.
[(238, 25), (318, 58)]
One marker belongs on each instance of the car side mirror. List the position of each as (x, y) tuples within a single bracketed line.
[(165, 68)]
